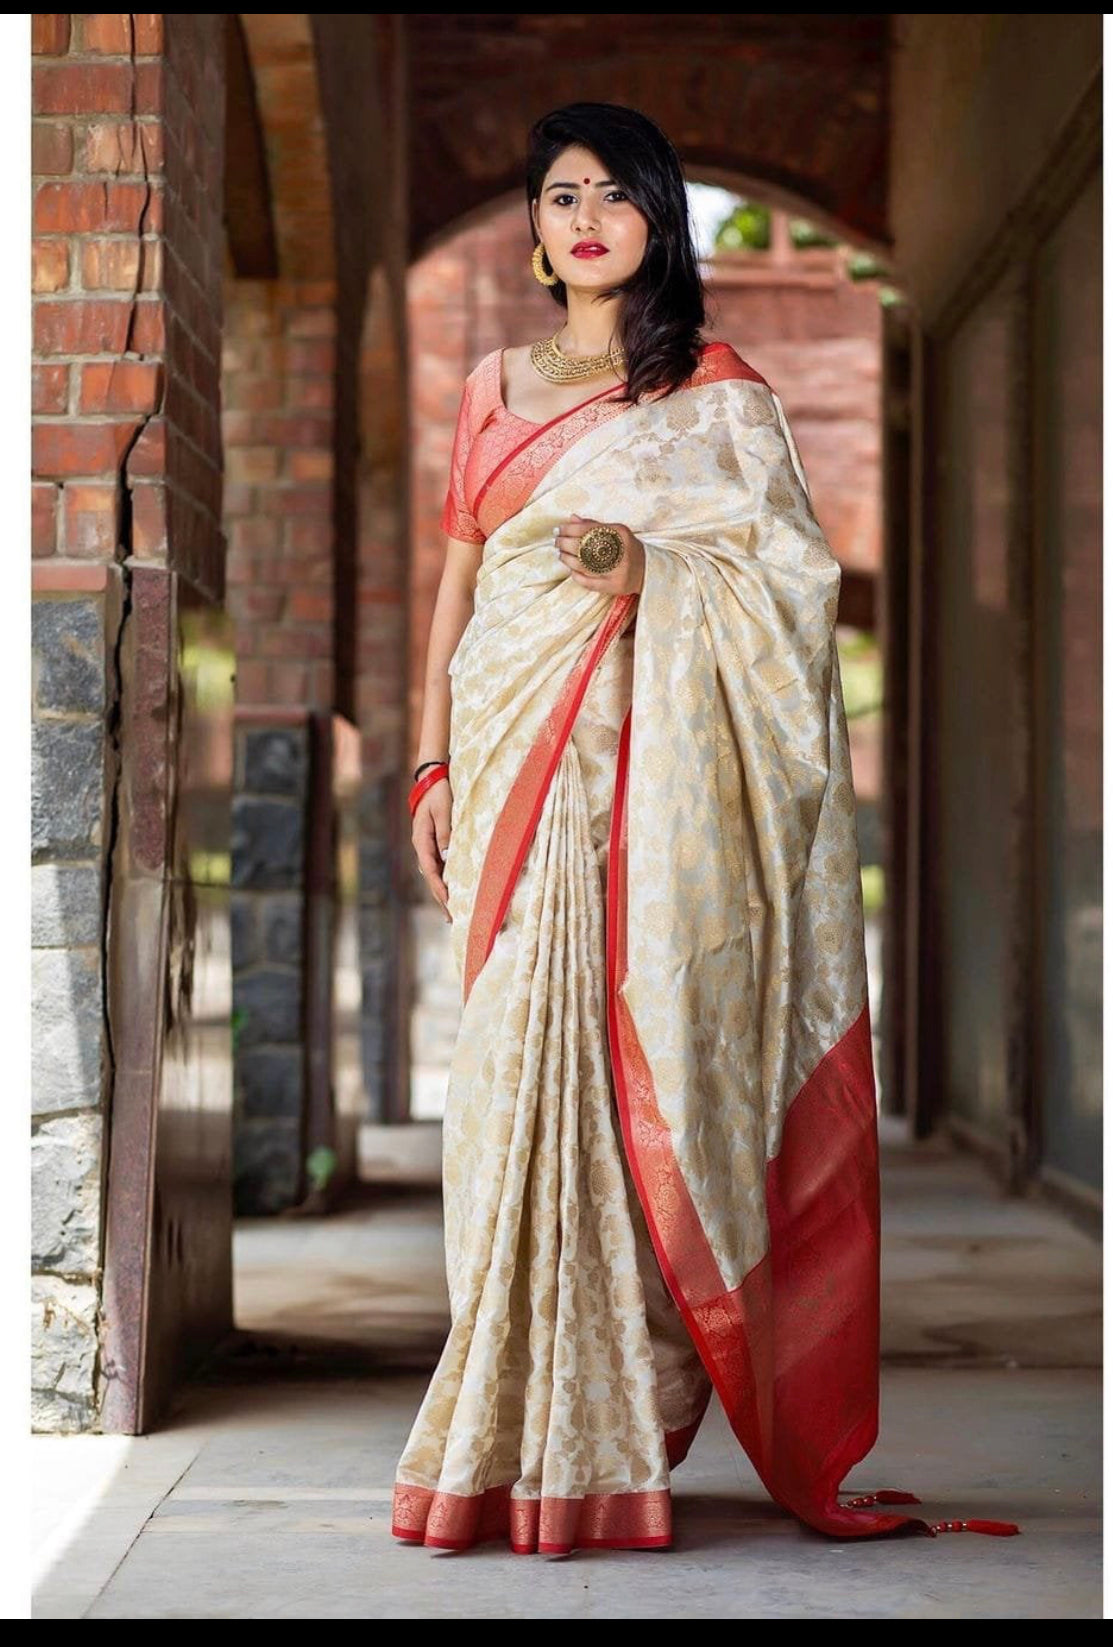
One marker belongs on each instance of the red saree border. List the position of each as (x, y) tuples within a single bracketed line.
[(824, 1219), (536, 431), (518, 818), (806, 1417), (726, 1326), (541, 1526), (718, 362)]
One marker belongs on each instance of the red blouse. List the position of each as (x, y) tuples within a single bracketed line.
[(498, 457)]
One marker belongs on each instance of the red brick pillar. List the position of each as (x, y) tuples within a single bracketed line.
[(279, 372), (279, 362), (97, 152), (132, 728)]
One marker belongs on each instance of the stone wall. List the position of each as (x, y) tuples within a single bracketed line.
[(128, 559), (268, 955), (70, 1069), (98, 207)]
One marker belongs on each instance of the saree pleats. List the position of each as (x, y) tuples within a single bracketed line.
[(567, 1367)]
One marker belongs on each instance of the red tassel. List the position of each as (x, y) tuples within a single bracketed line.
[(1002, 1529)]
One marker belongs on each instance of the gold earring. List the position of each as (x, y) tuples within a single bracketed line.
[(539, 266)]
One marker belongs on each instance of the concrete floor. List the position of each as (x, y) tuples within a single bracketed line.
[(268, 1493)]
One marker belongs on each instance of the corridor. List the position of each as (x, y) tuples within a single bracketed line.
[(267, 1494), (266, 251)]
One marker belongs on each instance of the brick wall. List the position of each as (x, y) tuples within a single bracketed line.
[(113, 431), (97, 156), (279, 363), (126, 279), (816, 337)]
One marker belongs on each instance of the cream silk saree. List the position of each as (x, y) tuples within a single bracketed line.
[(660, 1141)]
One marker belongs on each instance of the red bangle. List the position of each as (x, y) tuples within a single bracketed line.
[(426, 782)]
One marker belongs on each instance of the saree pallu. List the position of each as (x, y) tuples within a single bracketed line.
[(660, 1135)]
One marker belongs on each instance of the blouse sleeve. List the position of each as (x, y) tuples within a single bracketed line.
[(456, 518)]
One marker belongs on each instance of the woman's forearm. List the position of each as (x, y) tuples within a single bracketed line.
[(451, 614)]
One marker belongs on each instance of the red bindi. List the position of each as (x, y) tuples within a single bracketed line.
[(587, 179)]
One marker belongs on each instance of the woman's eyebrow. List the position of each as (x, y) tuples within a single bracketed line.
[(603, 183)]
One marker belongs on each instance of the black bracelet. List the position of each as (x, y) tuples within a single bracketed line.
[(424, 764)]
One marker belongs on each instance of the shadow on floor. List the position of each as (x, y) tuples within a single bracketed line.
[(970, 1278), (267, 1493)]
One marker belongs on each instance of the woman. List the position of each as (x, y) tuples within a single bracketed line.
[(634, 803)]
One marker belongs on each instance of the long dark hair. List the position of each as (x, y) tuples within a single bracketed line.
[(664, 307)]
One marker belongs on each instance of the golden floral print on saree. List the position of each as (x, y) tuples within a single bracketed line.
[(660, 1149)]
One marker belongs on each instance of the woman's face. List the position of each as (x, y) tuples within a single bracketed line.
[(594, 235)]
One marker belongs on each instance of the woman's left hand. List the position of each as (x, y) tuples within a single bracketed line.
[(624, 579)]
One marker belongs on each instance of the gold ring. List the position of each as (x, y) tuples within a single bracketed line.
[(601, 549)]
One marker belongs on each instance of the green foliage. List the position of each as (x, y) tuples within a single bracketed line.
[(210, 868), (873, 889), (804, 234), (748, 226), (860, 667), (861, 266), (239, 1019), (320, 1164)]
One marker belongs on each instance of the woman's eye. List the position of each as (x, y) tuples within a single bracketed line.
[(569, 199)]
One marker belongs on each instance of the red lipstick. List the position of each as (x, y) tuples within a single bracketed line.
[(589, 248)]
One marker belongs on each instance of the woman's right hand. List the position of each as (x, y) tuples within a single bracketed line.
[(432, 826)]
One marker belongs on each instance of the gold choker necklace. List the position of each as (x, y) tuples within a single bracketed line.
[(547, 359)]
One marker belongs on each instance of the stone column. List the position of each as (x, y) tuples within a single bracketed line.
[(70, 1063), (279, 424), (268, 953), (131, 738)]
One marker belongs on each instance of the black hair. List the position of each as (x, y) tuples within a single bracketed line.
[(663, 306)]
